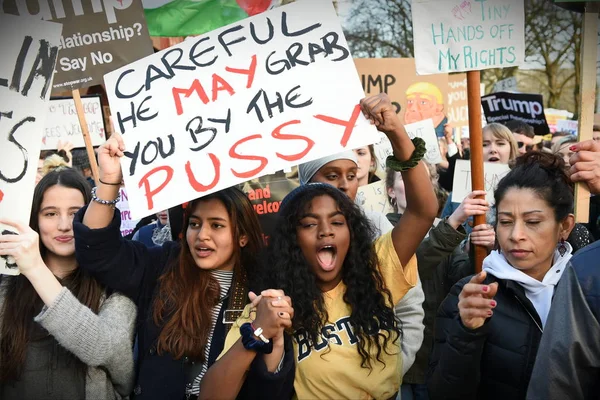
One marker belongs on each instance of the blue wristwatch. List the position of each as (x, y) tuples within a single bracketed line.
[(250, 343)]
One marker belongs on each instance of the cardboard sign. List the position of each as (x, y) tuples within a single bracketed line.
[(98, 36), (467, 35), (373, 197), (529, 108), (506, 85), (458, 107), (127, 222), (62, 123), (238, 102), (416, 98), (568, 125), (29, 51), (461, 184)]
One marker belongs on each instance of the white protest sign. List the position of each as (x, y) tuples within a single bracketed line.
[(62, 123), (506, 85), (127, 223), (26, 67), (467, 35), (274, 90), (373, 197), (567, 125), (461, 185), (425, 130)]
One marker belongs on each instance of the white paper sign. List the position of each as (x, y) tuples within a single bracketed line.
[(567, 125), (127, 223), (373, 197), (506, 85), (221, 108), (425, 130), (29, 52), (461, 185), (467, 35), (62, 123)]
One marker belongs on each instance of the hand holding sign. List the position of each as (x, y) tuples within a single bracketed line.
[(109, 159), (469, 207), (23, 247), (585, 164), (379, 111)]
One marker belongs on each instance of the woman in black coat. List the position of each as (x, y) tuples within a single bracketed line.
[(489, 327)]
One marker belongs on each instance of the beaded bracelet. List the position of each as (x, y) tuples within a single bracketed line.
[(105, 202), (417, 155)]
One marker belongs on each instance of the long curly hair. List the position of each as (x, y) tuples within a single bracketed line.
[(372, 316)]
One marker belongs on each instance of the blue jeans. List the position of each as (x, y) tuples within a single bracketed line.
[(410, 391)]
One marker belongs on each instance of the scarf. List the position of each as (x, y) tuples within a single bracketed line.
[(539, 293)]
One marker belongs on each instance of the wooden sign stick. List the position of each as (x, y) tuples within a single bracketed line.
[(86, 134), (476, 139), (587, 100)]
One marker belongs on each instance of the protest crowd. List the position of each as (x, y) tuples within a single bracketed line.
[(251, 213)]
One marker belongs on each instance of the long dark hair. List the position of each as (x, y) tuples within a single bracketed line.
[(369, 299), (546, 175), (187, 293), (22, 303)]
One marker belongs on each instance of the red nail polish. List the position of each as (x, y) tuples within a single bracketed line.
[(493, 303), (490, 313), (485, 288), (573, 148)]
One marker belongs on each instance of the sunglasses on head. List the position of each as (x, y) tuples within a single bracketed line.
[(528, 147)]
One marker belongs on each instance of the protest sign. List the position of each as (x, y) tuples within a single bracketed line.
[(458, 110), (529, 108), (98, 36), (62, 123), (373, 197), (424, 130), (127, 222), (461, 184), (29, 52), (416, 98), (553, 116), (266, 194), (567, 125), (506, 85), (271, 91), (467, 35)]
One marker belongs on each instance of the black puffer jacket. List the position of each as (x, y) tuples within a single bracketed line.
[(492, 362)]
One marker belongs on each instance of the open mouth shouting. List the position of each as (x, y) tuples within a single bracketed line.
[(326, 257), (493, 159), (203, 252)]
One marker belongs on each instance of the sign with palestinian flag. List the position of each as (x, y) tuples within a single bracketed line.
[(174, 18)]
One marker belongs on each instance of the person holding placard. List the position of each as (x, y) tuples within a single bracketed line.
[(488, 329), (187, 293), (63, 335), (341, 284), (499, 146)]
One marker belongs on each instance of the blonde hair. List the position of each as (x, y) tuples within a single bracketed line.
[(426, 88), (53, 162), (502, 132)]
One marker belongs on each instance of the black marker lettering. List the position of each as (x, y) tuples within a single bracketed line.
[(286, 32), (42, 67), (261, 41), (238, 40), (194, 55), (15, 83), (120, 94)]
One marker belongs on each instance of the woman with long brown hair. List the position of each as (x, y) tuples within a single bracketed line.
[(62, 336), (186, 292)]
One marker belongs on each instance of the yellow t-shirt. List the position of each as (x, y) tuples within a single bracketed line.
[(335, 372)]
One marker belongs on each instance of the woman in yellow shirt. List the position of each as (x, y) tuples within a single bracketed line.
[(343, 287)]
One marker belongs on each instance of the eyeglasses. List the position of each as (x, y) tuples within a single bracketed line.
[(528, 147)]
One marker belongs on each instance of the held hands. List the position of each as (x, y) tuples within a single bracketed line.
[(381, 113), (484, 235), (24, 247), (475, 302), (109, 155), (470, 206), (585, 164), (274, 313)]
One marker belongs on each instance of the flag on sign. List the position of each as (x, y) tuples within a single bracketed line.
[(174, 18)]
